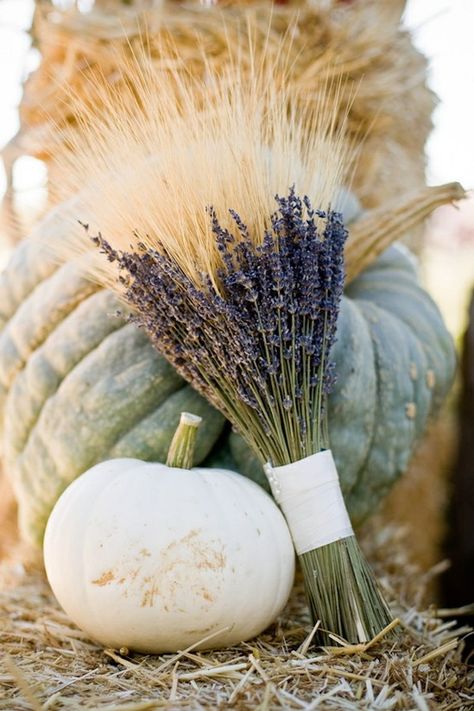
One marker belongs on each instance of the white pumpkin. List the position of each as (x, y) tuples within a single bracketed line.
[(156, 559)]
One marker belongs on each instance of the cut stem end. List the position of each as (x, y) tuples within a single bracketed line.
[(181, 451), (343, 593)]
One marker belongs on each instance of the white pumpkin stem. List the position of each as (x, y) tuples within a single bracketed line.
[(181, 451)]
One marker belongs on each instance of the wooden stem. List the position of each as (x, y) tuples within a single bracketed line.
[(181, 451), (375, 231)]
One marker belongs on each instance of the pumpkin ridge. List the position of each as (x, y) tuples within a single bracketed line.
[(30, 263), (182, 399), (14, 285), (407, 300), (17, 392), (152, 405), (439, 350), (420, 415), (370, 439), (20, 324), (350, 349), (145, 413), (396, 458)]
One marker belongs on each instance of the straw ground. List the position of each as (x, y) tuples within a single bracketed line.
[(47, 663)]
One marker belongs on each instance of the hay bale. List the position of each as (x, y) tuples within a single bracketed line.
[(357, 46)]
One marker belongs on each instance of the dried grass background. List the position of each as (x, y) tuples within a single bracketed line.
[(359, 43)]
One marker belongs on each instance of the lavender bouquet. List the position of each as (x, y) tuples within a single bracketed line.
[(243, 305), (253, 334)]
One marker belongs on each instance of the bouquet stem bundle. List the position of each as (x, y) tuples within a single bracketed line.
[(254, 338), (340, 582)]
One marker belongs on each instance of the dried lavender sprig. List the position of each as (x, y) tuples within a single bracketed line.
[(258, 347), (267, 331)]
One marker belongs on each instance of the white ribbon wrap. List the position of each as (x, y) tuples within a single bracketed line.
[(309, 494)]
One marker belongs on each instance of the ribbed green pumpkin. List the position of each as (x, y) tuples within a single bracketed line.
[(79, 385)]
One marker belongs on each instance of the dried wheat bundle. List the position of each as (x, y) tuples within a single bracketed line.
[(359, 43), (137, 131)]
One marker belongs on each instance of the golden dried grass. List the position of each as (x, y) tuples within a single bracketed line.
[(359, 44), (155, 153), (155, 158), (347, 68)]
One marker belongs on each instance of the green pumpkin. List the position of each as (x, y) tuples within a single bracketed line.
[(79, 385)]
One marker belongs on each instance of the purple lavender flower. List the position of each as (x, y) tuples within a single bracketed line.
[(258, 350)]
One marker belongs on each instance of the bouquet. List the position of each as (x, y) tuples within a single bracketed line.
[(234, 267)]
